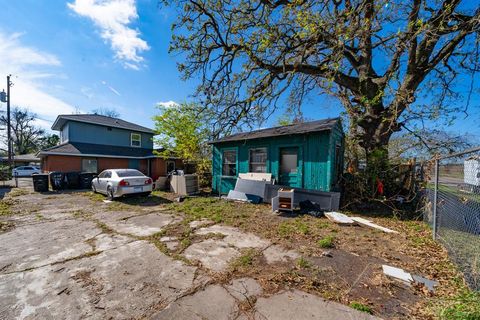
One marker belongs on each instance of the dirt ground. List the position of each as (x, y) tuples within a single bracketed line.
[(74, 255)]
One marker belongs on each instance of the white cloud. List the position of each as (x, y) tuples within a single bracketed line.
[(168, 104), (28, 90), (113, 18)]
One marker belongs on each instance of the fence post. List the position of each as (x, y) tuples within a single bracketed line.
[(435, 193)]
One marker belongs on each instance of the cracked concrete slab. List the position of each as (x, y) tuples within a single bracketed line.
[(138, 225), (276, 253), (199, 223), (214, 302), (171, 242), (34, 245), (213, 254), (244, 288), (235, 237), (132, 281), (296, 304)]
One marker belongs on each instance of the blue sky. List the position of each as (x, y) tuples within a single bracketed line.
[(68, 56)]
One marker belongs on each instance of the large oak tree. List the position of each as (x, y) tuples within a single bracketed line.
[(389, 62)]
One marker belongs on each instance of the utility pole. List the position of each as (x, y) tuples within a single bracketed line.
[(9, 138)]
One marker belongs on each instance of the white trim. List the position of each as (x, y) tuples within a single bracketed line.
[(131, 139)]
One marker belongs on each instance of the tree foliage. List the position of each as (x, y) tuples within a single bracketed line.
[(183, 132), (48, 141), (391, 63), (26, 136)]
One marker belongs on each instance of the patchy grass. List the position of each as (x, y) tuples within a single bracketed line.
[(6, 226), (5, 209), (352, 273), (465, 306), (326, 242), (246, 260), (17, 192), (361, 307), (303, 263)]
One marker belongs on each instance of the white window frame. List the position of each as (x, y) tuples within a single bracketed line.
[(139, 140)]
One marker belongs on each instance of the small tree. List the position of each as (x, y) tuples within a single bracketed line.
[(183, 132)]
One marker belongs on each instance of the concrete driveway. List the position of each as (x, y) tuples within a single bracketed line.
[(67, 256)]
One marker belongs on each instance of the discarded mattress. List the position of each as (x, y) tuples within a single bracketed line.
[(373, 225), (338, 217)]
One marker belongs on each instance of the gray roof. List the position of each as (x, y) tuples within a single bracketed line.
[(97, 150), (99, 120), (297, 128)]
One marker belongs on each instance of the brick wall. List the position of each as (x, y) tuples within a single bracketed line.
[(72, 163), (61, 163), (111, 163), (159, 167)]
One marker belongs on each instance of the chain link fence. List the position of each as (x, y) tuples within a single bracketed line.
[(453, 209)]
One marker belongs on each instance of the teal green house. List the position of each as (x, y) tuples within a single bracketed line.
[(305, 155)]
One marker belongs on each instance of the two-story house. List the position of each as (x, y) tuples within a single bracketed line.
[(92, 143)]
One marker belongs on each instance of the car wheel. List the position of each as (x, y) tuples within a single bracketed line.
[(110, 193)]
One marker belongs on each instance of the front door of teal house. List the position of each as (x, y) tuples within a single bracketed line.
[(290, 171)]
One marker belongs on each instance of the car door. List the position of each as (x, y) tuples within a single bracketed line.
[(104, 181), (100, 183), (29, 171)]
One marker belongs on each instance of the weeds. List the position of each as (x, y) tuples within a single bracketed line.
[(5, 226), (18, 192), (303, 263), (5, 208), (326, 242), (245, 260), (361, 307), (288, 229)]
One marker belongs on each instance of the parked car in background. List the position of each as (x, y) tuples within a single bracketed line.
[(115, 183), (25, 171)]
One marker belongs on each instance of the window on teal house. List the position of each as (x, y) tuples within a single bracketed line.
[(229, 165), (258, 160)]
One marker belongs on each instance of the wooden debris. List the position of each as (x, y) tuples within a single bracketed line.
[(338, 217), (372, 225)]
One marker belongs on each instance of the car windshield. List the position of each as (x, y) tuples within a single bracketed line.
[(129, 173)]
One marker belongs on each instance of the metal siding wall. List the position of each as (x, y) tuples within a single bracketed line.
[(90, 133)]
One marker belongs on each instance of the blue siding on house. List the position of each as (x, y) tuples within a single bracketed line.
[(316, 159), (91, 133), (64, 133)]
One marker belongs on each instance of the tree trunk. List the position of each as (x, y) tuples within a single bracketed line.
[(373, 136)]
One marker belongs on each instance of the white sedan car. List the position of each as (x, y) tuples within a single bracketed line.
[(115, 183), (25, 171)]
